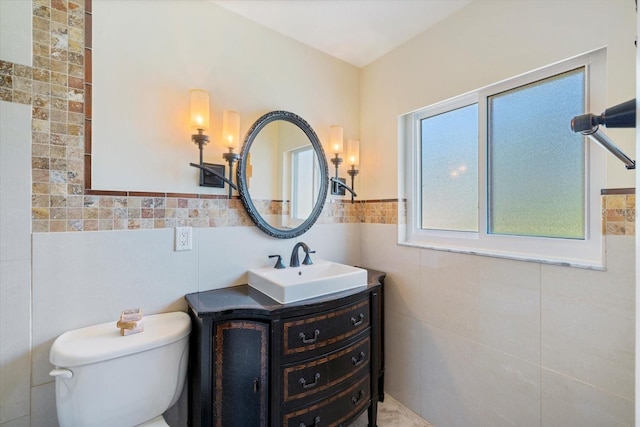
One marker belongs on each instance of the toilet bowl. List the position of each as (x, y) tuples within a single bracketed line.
[(103, 379)]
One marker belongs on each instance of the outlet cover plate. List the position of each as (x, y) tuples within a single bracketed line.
[(183, 239)]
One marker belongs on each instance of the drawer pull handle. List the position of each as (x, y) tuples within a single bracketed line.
[(357, 362), (316, 423), (356, 322), (304, 384), (256, 385), (306, 340), (356, 399)]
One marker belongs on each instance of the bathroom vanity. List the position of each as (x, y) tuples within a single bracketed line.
[(315, 362)]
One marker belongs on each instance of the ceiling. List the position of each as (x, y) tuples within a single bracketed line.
[(356, 31)]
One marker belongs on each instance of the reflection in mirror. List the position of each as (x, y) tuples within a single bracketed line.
[(304, 175), (284, 179), (284, 186)]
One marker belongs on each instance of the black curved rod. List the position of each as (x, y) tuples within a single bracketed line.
[(211, 171), (342, 184)]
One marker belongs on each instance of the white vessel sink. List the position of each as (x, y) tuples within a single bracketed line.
[(307, 281)]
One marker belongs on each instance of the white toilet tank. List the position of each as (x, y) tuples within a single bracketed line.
[(119, 380)]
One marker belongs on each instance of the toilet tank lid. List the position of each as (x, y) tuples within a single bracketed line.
[(103, 342)]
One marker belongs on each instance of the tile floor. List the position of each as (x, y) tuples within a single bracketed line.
[(392, 413)]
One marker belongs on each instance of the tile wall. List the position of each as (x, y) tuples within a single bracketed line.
[(619, 212), (15, 263), (486, 342), (58, 89)]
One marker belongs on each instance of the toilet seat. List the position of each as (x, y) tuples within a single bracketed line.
[(156, 422)]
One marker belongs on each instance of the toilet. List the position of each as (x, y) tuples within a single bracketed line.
[(103, 379)]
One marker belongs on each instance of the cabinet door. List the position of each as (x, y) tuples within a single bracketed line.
[(240, 374)]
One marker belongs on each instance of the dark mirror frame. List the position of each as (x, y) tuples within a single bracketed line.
[(243, 188)]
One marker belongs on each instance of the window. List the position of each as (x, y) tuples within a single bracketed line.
[(499, 171), (449, 170), (536, 163)]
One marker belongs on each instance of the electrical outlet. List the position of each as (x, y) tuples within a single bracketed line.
[(184, 239)]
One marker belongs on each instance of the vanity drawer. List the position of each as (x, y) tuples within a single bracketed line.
[(309, 378), (334, 410), (312, 332)]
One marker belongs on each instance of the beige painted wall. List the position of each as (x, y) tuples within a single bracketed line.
[(486, 42), (15, 31), (143, 73)]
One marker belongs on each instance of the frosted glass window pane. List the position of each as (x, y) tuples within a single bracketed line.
[(450, 170), (536, 163)]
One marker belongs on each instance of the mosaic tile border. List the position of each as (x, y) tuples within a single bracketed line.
[(619, 212), (58, 87)]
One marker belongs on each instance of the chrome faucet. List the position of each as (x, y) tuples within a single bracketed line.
[(295, 262)]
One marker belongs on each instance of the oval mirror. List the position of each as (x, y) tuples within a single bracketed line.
[(282, 175)]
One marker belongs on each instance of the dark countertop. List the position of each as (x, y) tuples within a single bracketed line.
[(218, 302)]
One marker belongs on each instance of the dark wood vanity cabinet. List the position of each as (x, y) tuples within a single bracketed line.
[(256, 362)]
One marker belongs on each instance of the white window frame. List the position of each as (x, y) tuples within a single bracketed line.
[(587, 252)]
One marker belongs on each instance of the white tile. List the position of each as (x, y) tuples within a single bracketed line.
[(15, 181), (334, 242), (490, 300), (227, 253), (403, 359), (588, 320), (15, 334), (380, 251), (43, 406), (570, 403), (81, 279), (467, 384), (20, 422), (392, 413)]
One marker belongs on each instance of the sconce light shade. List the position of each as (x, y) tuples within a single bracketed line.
[(337, 139), (199, 109), (230, 129), (353, 152)]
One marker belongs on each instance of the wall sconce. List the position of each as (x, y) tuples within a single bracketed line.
[(211, 174), (338, 185), (337, 142), (230, 139), (353, 157)]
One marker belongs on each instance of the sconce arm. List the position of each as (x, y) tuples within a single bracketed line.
[(606, 143), (211, 171), (342, 184)]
